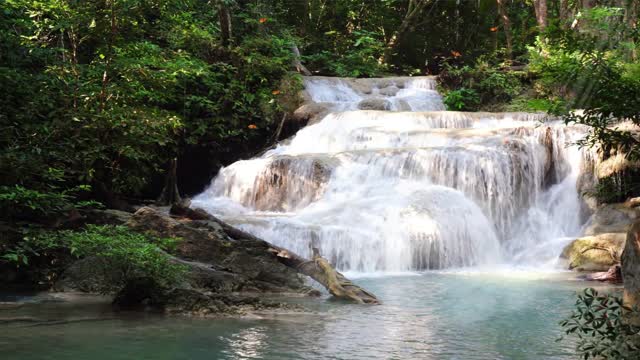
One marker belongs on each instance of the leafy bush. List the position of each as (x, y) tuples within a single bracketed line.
[(494, 86), (120, 255), (19, 202), (600, 324), (527, 104), (355, 56), (462, 99)]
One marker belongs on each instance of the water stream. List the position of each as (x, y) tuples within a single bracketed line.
[(454, 220), (412, 187)]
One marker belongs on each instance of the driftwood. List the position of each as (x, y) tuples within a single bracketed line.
[(297, 62), (318, 268)]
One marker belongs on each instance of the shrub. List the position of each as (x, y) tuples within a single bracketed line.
[(462, 99), (493, 85), (18, 201), (601, 328), (121, 255), (356, 56)]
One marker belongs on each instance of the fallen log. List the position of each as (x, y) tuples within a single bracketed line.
[(318, 268)]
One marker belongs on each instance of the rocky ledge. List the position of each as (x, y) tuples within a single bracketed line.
[(223, 277), (601, 247)]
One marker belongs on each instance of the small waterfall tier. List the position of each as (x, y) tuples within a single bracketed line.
[(411, 187)]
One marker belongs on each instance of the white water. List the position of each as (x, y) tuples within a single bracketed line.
[(397, 190)]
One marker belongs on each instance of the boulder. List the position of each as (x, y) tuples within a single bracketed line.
[(389, 91), (309, 113), (223, 263), (374, 104), (613, 275), (106, 217), (611, 218), (594, 253), (362, 86), (144, 294)]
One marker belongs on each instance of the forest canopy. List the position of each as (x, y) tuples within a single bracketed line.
[(99, 96)]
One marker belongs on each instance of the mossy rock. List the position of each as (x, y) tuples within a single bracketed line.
[(594, 253)]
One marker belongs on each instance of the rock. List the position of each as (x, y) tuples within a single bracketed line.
[(309, 113), (144, 294), (84, 275), (361, 86), (195, 302), (403, 105), (389, 91), (106, 217), (283, 187), (140, 294), (611, 218), (374, 104), (631, 268), (242, 265), (613, 275), (594, 253)]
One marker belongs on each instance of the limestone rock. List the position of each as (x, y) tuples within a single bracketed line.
[(631, 268), (611, 218), (106, 217), (244, 265), (374, 104), (594, 253), (613, 275), (389, 91), (310, 113)]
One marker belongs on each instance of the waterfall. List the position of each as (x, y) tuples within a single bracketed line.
[(412, 187)]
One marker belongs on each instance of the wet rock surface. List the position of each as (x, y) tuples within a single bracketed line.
[(594, 253), (224, 276)]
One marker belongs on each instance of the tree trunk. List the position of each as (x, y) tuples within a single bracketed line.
[(318, 268), (170, 194), (588, 4), (631, 15), (540, 7), (224, 17), (414, 10), (506, 23), (564, 13), (631, 268)]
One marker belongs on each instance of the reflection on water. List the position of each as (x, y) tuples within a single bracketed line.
[(435, 315), (248, 343)]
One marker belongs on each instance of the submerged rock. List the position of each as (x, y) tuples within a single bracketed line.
[(613, 275), (594, 253), (374, 104)]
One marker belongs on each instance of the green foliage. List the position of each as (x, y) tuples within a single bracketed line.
[(492, 85), (357, 56), (118, 254), (618, 187), (527, 104), (20, 202), (462, 100), (599, 322), (110, 91)]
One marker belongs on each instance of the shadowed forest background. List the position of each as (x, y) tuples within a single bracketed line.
[(98, 96)]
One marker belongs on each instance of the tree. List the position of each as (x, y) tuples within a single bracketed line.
[(415, 10), (224, 17), (540, 7), (506, 24)]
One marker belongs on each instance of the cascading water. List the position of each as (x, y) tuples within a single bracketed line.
[(411, 188)]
